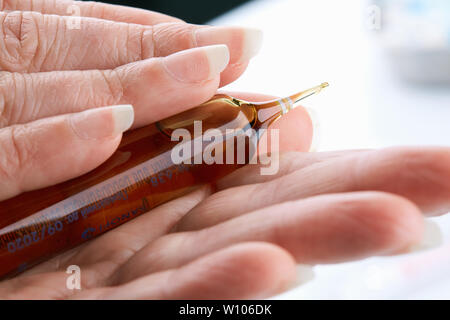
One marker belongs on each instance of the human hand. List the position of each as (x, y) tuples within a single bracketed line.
[(218, 244), (54, 69)]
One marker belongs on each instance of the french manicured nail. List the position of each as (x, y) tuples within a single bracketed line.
[(315, 143), (102, 123), (191, 66), (305, 273), (432, 238), (251, 40)]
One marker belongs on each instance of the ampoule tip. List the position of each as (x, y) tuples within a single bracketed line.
[(305, 94)]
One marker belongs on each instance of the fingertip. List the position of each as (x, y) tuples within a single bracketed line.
[(316, 129), (232, 73), (270, 269), (394, 223), (432, 237), (296, 131), (252, 270)]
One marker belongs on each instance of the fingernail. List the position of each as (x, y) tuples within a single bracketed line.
[(305, 273), (218, 57), (252, 40), (102, 123), (316, 138), (123, 116), (432, 238), (191, 65)]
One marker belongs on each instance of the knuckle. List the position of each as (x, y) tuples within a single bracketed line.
[(114, 88), (15, 154), (138, 43), (170, 36), (147, 43), (19, 40), (12, 97)]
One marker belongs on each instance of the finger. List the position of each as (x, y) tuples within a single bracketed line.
[(40, 154), (421, 175), (233, 72), (289, 162), (121, 243), (269, 270), (157, 87), (33, 42), (88, 9), (323, 229)]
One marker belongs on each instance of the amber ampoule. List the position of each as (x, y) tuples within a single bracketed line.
[(139, 176)]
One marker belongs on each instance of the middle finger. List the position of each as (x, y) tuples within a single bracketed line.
[(420, 174), (156, 87), (34, 42)]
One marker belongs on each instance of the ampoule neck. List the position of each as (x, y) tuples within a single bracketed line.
[(268, 112)]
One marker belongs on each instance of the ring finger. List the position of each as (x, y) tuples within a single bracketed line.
[(324, 229), (157, 87)]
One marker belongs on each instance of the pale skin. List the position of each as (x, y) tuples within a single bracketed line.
[(239, 239)]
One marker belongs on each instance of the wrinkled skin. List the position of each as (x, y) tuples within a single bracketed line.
[(241, 238)]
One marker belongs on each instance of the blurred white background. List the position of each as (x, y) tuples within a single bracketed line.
[(368, 105)]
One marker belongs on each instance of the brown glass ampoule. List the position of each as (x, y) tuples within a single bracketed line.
[(139, 176)]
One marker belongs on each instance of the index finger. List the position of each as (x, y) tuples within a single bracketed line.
[(88, 9)]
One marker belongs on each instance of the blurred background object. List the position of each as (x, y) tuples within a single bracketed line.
[(192, 11), (417, 35)]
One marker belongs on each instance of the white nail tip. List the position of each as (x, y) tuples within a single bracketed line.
[(253, 41), (432, 237), (315, 143), (123, 116), (218, 57), (305, 273)]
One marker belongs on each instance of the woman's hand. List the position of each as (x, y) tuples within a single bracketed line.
[(56, 67), (241, 241), (244, 239)]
